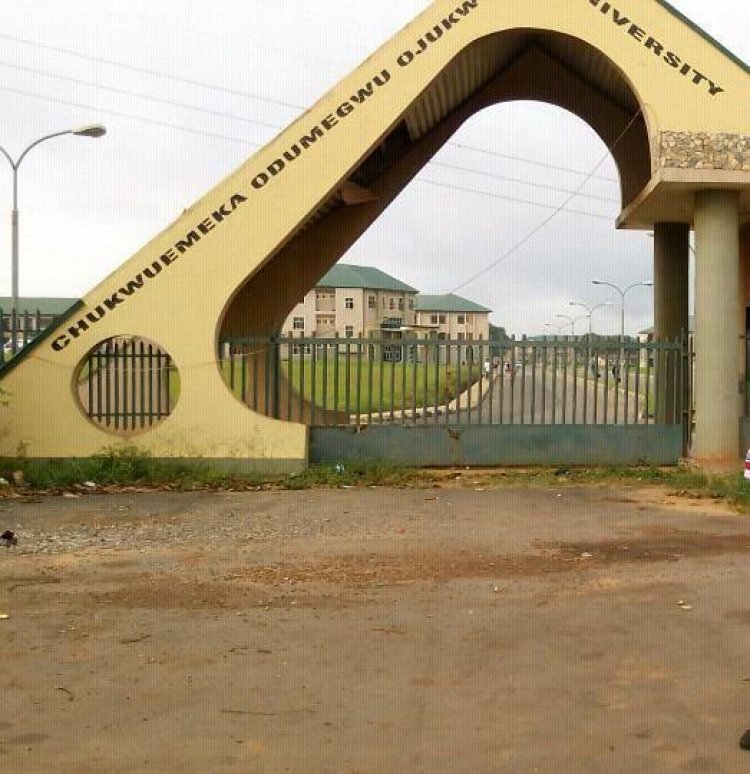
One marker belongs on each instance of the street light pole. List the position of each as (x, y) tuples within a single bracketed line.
[(590, 310), (571, 321), (646, 284), (558, 328), (89, 130), (623, 293)]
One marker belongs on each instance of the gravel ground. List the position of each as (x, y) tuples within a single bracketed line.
[(568, 629)]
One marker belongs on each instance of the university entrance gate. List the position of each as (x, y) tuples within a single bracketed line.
[(441, 402), (670, 104)]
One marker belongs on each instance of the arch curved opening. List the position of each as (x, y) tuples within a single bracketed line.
[(522, 64)]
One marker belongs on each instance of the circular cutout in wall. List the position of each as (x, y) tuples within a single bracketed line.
[(127, 385)]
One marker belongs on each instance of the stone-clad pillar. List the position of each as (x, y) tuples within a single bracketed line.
[(671, 269), (717, 296)]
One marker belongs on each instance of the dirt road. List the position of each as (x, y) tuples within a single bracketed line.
[(571, 629)]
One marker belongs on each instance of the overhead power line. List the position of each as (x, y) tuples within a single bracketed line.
[(139, 95), (202, 32), (149, 71), (527, 238), (251, 143), (268, 125), (513, 199), (543, 164), (130, 116), (519, 180)]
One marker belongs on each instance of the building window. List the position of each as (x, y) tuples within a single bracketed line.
[(411, 303), (460, 336), (433, 319), (470, 336), (392, 303), (299, 324), (349, 332), (442, 319), (401, 304), (349, 303), (461, 319), (371, 302)]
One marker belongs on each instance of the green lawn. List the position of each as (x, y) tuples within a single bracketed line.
[(378, 384)]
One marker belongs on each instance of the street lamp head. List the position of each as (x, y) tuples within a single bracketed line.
[(596, 282), (648, 284), (90, 130)]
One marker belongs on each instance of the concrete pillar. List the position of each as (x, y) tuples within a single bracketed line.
[(671, 281), (745, 343), (717, 297), (671, 262)]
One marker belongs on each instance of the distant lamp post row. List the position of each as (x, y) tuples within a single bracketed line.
[(570, 321), (590, 311), (89, 130), (623, 293)]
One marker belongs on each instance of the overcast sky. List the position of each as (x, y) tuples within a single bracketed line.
[(87, 205)]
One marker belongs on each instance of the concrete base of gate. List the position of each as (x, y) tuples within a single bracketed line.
[(500, 445)]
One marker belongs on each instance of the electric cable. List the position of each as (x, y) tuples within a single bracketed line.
[(139, 95), (520, 243), (513, 199), (150, 71)]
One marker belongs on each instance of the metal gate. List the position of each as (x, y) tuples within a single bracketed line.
[(445, 402)]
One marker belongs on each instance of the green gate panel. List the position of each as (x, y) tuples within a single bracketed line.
[(500, 445)]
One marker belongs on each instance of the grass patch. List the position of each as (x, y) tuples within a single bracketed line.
[(114, 469), (683, 480), (358, 474)]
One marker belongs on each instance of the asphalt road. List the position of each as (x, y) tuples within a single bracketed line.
[(544, 397)]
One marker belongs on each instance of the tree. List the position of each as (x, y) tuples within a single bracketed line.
[(497, 333)]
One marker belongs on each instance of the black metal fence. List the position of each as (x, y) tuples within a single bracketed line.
[(127, 385), (20, 328), (358, 381)]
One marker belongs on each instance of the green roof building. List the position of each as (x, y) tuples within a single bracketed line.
[(453, 317), (344, 275), (352, 301), (448, 303)]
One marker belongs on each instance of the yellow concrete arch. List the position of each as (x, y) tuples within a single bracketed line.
[(237, 261)]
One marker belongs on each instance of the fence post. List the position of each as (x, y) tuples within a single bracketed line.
[(14, 331), (276, 355), (686, 393)]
